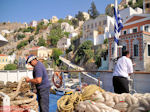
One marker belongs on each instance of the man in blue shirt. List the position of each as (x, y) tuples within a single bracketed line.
[(40, 79)]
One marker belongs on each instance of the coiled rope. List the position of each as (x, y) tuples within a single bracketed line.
[(111, 102), (95, 99), (22, 98), (67, 103)]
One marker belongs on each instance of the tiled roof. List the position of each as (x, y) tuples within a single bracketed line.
[(135, 18), (34, 48), (3, 55)]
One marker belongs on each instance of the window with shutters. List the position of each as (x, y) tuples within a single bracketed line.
[(136, 50), (149, 50)]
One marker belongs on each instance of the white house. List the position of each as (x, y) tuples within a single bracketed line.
[(64, 43), (33, 23), (69, 17), (98, 29), (66, 27), (25, 24), (45, 21), (128, 12), (73, 34)]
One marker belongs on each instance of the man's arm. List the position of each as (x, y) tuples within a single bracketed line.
[(37, 80)]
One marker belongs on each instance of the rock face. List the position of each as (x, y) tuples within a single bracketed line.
[(10, 26), (86, 15), (66, 27)]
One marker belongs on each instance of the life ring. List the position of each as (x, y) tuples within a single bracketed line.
[(57, 79)]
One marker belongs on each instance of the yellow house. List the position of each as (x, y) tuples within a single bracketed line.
[(4, 60), (41, 52), (54, 19)]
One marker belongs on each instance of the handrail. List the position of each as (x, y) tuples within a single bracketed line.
[(135, 72), (80, 71)]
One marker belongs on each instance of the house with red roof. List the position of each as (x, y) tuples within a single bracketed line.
[(135, 37)]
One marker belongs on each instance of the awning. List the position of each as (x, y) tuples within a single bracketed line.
[(3, 41)]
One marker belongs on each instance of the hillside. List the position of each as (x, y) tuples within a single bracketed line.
[(29, 36)]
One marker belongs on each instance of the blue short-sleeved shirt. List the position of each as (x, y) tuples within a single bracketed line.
[(40, 71)]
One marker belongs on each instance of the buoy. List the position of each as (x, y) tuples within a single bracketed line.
[(57, 79)]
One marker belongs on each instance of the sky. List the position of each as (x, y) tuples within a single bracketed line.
[(28, 10)]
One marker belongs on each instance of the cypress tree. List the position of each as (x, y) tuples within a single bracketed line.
[(93, 11)]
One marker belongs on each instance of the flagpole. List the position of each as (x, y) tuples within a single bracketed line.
[(115, 44)]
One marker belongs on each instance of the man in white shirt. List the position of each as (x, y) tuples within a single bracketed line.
[(123, 69)]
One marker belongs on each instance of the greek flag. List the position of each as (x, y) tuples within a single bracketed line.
[(118, 25)]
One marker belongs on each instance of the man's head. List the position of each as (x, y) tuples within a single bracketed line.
[(32, 60), (126, 53)]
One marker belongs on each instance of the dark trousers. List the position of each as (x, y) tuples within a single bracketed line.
[(43, 99), (120, 84)]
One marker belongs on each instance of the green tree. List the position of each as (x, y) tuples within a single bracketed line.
[(55, 55), (71, 48), (75, 22), (10, 67), (80, 16), (20, 36), (84, 51), (41, 42), (40, 26), (67, 34), (139, 3), (31, 38), (64, 20), (100, 53), (130, 3), (106, 41), (93, 11), (29, 29), (55, 34)]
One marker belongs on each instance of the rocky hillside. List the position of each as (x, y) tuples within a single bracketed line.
[(21, 38)]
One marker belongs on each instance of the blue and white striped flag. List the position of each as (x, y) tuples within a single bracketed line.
[(118, 25)]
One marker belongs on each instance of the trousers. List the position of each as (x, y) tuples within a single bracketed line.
[(120, 84), (43, 99)]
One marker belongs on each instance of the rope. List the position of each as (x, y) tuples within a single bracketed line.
[(67, 102), (14, 94), (95, 99), (108, 102), (22, 98)]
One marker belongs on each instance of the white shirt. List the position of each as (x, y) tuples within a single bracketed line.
[(123, 67)]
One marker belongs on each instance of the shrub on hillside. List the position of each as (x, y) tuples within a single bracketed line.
[(20, 36), (22, 44), (10, 67), (29, 29), (55, 55), (31, 38), (41, 42)]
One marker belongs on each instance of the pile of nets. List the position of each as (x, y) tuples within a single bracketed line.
[(95, 99), (21, 98)]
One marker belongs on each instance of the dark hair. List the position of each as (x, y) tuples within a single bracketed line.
[(125, 53)]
